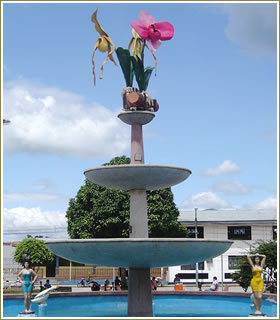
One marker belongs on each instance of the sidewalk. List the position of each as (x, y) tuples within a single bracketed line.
[(226, 288), (170, 287)]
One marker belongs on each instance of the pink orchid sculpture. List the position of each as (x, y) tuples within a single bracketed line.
[(151, 31), (145, 31)]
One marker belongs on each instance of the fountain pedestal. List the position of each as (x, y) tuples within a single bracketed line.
[(140, 299)]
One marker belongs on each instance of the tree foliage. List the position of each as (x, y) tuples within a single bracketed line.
[(244, 275), (99, 212), (36, 249)]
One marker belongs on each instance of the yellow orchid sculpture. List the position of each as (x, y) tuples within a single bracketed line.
[(103, 44), (137, 46)]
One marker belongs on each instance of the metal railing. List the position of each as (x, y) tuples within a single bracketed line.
[(74, 272)]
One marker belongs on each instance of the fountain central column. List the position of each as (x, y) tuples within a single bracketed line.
[(137, 146), (139, 289), (138, 201)]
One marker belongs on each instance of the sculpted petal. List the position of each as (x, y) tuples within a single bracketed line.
[(154, 44), (165, 28), (140, 29), (97, 25), (145, 18)]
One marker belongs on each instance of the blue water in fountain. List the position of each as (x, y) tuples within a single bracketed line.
[(163, 306)]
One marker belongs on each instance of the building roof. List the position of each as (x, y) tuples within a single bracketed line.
[(229, 216)]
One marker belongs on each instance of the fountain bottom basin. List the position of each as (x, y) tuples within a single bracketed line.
[(138, 252), (163, 306)]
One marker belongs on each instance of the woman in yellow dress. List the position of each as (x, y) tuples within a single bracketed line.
[(257, 281)]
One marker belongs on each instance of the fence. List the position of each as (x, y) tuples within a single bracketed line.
[(41, 271), (74, 272)]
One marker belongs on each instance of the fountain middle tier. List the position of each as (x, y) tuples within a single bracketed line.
[(138, 252), (137, 176)]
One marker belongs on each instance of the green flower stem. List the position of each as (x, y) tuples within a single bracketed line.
[(142, 52)]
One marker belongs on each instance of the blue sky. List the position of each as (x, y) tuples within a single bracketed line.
[(216, 86)]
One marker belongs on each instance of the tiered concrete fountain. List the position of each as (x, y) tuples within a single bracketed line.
[(139, 253)]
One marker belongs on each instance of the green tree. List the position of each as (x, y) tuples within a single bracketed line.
[(36, 249), (244, 275), (99, 212)]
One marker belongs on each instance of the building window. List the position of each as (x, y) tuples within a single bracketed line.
[(239, 233), (191, 232), (192, 275), (274, 232), (192, 266), (234, 261)]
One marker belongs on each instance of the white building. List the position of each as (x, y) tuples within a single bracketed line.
[(8, 265), (244, 227)]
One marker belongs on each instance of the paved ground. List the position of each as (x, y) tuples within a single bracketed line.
[(187, 287), (171, 288)]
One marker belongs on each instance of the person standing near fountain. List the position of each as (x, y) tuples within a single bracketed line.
[(154, 283), (177, 279), (257, 283), (25, 277)]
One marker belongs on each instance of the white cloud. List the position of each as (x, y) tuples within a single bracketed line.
[(31, 196), (21, 217), (20, 221), (226, 167), (52, 121), (253, 26), (43, 184), (269, 203), (230, 187), (205, 200)]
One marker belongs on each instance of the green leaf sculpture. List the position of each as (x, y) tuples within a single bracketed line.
[(130, 66), (142, 75), (147, 74), (126, 65)]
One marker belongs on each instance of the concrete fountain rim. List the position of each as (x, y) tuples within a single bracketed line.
[(135, 240), (140, 165), (137, 176), (155, 252)]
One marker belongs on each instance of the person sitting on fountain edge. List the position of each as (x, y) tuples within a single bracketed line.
[(42, 288), (214, 285), (47, 284), (117, 283), (107, 286)]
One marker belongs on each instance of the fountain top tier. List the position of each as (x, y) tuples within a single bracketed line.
[(137, 176)]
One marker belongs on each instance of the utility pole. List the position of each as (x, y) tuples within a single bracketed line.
[(70, 271), (113, 281), (222, 271), (195, 231)]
